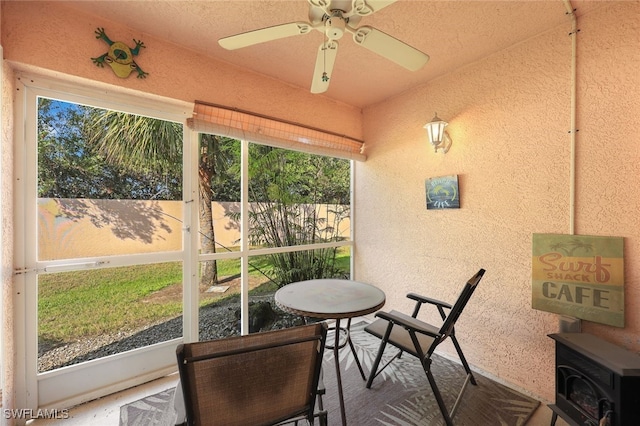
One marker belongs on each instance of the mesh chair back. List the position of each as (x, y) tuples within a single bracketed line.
[(456, 310), (259, 379)]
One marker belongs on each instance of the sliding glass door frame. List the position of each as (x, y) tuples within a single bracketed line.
[(74, 384)]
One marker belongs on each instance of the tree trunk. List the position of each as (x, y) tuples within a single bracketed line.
[(209, 273)]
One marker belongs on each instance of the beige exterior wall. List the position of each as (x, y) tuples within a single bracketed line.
[(509, 118), (71, 228)]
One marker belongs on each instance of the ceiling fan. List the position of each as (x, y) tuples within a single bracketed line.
[(334, 18)]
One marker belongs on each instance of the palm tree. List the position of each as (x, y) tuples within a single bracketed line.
[(213, 160), (142, 143)]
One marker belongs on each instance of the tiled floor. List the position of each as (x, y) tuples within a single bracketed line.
[(106, 411)]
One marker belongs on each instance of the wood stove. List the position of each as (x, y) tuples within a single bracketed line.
[(597, 383)]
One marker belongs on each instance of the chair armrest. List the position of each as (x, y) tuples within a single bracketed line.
[(409, 323), (423, 299)]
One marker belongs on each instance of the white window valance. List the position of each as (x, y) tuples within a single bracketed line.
[(238, 124)]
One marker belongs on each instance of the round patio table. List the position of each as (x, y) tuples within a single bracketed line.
[(332, 299)]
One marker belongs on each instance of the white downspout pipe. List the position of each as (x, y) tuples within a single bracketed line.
[(573, 130)]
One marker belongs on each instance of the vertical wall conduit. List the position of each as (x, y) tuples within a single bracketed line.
[(573, 131), (565, 322)]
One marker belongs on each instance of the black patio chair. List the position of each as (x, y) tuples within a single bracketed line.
[(420, 339), (263, 378)]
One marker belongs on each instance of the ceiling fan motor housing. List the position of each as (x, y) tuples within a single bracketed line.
[(335, 26)]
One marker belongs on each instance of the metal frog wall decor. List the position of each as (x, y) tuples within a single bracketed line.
[(119, 56)]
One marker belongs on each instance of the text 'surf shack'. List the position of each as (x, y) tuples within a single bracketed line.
[(579, 276)]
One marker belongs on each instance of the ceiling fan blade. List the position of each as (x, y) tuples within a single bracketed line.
[(389, 47), (265, 34), (325, 60), (367, 7)]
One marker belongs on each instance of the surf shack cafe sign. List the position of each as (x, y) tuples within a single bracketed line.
[(579, 276)]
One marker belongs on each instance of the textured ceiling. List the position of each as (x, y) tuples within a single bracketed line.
[(452, 32)]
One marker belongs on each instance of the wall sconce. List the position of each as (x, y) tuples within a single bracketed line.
[(438, 137)]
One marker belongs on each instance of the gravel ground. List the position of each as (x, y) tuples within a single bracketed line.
[(218, 321)]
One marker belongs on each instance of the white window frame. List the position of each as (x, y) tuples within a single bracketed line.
[(55, 389), (245, 252)]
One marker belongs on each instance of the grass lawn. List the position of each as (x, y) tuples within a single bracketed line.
[(81, 304)]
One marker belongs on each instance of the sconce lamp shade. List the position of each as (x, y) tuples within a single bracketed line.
[(435, 131)]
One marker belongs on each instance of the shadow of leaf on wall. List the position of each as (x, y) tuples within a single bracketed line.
[(72, 228), (127, 219)]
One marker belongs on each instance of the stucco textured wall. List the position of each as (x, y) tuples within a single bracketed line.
[(509, 118)]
